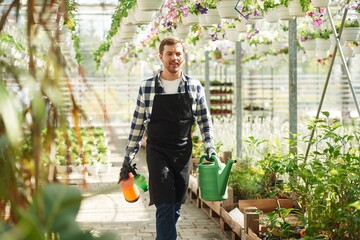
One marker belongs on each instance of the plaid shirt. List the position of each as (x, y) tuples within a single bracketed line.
[(144, 104)]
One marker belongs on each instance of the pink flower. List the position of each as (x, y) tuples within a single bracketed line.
[(318, 22)]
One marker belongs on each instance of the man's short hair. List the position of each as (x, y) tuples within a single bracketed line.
[(170, 41)]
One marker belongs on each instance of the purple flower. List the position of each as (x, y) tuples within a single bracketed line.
[(202, 10)]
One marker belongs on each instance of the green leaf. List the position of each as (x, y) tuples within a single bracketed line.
[(355, 205), (55, 207), (325, 113)]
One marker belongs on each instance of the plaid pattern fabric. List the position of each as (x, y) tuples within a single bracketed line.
[(144, 104)]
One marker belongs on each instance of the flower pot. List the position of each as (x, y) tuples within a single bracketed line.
[(77, 168), (182, 30), (309, 44), (127, 28), (310, 53), (350, 34), (321, 53), (210, 18), (105, 168), (356, 50), (242, 26), (93, 169), (263, 48), (226, 9), (277, 45), (348, 52), (232, 34), (271, 15), (149, 5), (320, 3), (190, 19), (62, 169), (130, 19), (295, 9), (283, 12), (322, 44), (143, 17)]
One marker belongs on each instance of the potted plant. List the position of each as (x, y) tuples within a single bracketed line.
[(350, 31), (323, 43), (298, 8), (231, 32), (283, 10), (270, 11), (306, 38), (226, 9), (325, 181)]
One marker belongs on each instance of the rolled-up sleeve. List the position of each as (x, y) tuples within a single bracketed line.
[(137, 127), (203, 118)]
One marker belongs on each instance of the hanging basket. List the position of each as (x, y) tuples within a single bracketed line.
[(149, 5), (232, 34), (213, 16), (143, 17), (309, 44), (190, 19), (356, 50), (182, 30), (320, 3), (310, 53), (210, 18), (242, 26), (271, 15), (350, 34), (320, 53), (295, 9), (322, 44), (283, 12), (226, 9), (348, 52)]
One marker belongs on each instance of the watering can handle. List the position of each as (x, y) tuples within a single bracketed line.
[(213, 158)]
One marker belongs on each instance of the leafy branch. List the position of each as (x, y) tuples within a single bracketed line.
[(121, 11)]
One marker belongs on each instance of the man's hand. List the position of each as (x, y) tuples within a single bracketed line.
[(125, 169), (210, 152)]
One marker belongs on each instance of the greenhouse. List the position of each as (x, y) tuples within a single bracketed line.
[(272, 121)]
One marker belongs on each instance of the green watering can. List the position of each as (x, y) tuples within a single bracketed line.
[(213, 178)]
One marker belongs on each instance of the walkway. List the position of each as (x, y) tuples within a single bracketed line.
[(104, 208)]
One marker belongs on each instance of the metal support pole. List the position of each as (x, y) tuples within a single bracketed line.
[(207, 78), (238, 99), (186, 64), (292, 85), (338, 46)]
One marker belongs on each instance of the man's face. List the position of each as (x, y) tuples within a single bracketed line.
[(172, 57)]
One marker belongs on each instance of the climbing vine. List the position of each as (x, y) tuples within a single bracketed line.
[(122, 10)]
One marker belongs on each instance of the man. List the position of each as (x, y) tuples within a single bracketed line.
[(167, 106)]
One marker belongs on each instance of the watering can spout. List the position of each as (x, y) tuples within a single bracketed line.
[(223, 175)]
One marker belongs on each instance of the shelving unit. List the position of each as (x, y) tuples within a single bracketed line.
[(221, 98)]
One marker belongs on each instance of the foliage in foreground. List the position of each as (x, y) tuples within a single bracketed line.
[(325, 182), (51, 215)]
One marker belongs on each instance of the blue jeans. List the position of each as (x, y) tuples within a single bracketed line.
[(167, 215)]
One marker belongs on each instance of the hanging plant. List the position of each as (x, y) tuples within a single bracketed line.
[(72, 23), (201, 6), (121, 11)]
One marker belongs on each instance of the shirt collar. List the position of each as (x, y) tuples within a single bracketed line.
[(182, 82)]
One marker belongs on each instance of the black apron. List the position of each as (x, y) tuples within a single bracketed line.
[(169, 146)]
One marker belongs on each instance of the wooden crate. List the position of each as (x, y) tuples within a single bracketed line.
[(265, 205), (193, 191), (213, 208)]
